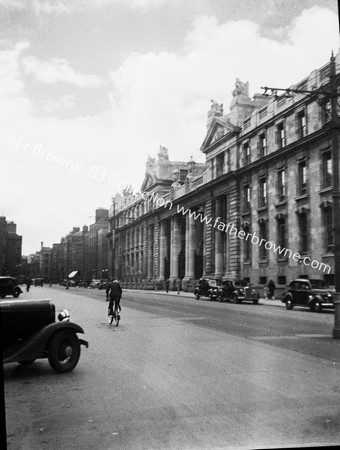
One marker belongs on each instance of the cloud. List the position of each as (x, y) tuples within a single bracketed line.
[(44, 7), (155, 99), (65, 102), (58, 70)]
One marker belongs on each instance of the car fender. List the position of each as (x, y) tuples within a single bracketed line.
[(287, 296), (35, 346), (316, 298)]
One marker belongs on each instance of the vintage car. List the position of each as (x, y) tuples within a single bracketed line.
[(315, 294), (39, 282), (237, 291), (29, 331), (9, 286), (207, 287), (94, 284), (103, 284)]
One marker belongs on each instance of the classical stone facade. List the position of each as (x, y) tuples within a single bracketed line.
[(260, 208), (10, 248)]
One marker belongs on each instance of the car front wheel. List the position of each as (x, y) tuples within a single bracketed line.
[(316, 307), (64, 351), (197, 296), (289, 304), (16, 293)]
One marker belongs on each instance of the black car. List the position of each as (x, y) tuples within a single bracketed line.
[(29, 331), (39, 282), (207, 287), (9, 286), (313, 293), (103, 284), (237, 291)]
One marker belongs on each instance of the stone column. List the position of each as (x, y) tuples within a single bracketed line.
[(175, 247), (162, 250), (219, 250), (150, 252), (190, 235)]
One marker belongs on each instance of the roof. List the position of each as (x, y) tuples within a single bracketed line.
[(73, 274)]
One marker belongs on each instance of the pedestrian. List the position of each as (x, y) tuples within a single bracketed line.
[(28, 284), (155, 284), (167, 285), (271, 289), (178, 285)]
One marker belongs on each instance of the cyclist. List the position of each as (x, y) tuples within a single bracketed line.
[(114, 291)]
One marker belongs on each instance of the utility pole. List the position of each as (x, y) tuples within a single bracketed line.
[(330, 93), (336, 193)]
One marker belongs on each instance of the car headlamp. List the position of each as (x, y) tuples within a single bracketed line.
[(64, 316)]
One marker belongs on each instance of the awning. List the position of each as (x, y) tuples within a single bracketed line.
[(73, 274)]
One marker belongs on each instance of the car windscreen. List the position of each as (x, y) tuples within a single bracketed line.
[(318, 284)]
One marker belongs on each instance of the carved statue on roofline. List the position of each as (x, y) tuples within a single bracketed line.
[(216, 109), (163, 152), (240, 88)]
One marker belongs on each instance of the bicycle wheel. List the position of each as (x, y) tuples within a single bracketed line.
[(117, 319)]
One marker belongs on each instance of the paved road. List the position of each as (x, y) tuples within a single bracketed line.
[(181, 374)]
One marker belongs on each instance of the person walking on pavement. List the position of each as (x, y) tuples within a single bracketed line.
[(271, 289), (178, 285), (114, 292), (28, 284), (167, 285)]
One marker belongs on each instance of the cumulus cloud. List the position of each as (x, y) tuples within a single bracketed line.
[(58, 70)]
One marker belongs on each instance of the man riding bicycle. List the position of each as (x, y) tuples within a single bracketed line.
[(114, 291)]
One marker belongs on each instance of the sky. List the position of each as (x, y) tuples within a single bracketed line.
[(90, 88)]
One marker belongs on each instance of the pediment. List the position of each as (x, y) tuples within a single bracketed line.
[(218, 128), (149, 179)]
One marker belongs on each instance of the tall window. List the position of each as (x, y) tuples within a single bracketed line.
[(219, 165), (281, 232), (263, 235), (301, 125), (327, 169), (281, 181), (246, 153), (328, 227), (262, 192), (303, 232), (302, 178), (246, 197), (280, 135), (263, 144), (326, 111), (246, 243)]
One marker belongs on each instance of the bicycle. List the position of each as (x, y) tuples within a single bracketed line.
[(115, 316)]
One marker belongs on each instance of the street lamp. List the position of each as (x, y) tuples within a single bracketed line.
[(331, 93)]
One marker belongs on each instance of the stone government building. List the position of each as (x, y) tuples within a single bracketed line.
[(268, 172)]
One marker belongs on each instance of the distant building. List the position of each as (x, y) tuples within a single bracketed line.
[(98, 244), (10, 248)]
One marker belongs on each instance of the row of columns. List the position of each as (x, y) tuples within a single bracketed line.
[(190, 246)]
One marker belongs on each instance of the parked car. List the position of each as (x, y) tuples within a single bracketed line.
[(315, 294), (207, 287), (103, 284), (237, 291), (9, 286), (94, 284), (29, 331), (39, 282), (83, 284)]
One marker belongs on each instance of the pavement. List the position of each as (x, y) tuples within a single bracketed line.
[(262, 300)]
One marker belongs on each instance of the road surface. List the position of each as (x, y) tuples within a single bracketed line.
[(181, 374)]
